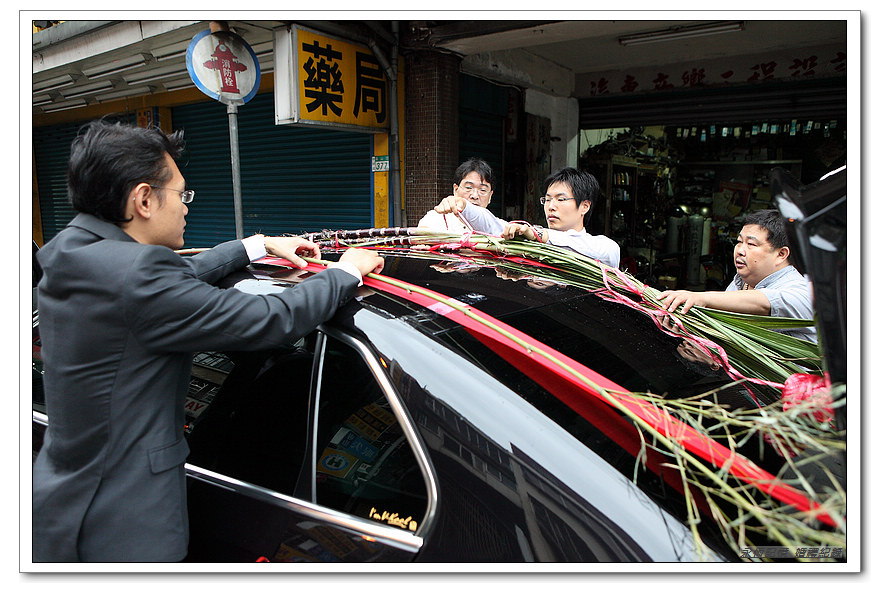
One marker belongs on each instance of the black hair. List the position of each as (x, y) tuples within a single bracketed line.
[(107, 160), (771, 221), (475, 164), (583, 186)]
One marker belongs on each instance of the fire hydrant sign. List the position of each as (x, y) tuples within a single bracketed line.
[(223, 66)]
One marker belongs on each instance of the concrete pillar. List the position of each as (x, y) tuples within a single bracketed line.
[(431, 129)]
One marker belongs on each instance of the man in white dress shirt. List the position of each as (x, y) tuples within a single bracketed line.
[(473, 181), (568, 197)]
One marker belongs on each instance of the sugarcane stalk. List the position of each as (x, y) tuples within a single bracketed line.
[(753, 350), (671, 444), (744, 337)]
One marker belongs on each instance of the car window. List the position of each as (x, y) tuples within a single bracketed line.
[(364, 464), (248, 414), (208, 373)]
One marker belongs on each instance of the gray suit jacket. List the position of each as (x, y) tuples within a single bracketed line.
[(119, 322)]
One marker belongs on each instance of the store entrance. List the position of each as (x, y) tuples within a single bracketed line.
[(673, 197)]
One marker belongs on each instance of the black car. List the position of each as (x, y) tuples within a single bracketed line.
[(459, 412)]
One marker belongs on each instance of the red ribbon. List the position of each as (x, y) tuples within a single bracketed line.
[(692, 440), (810, 391)]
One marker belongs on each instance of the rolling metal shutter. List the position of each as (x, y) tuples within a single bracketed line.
[(294, 180), (770, 101), (51, 152), (482, 109), (482, 135)]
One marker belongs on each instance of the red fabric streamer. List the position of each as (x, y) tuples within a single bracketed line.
[(693, 441), (809, 395), (465, 243)]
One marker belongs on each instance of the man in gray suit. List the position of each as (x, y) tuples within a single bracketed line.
[(120, 316)]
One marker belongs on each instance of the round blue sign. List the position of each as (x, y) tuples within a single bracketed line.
[(223, 66)]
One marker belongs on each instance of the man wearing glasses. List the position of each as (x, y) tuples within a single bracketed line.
[(568, 196), (473, 181), (120, 315)]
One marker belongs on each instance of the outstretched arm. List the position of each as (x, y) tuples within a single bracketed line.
[(753, 302), (479, 218)]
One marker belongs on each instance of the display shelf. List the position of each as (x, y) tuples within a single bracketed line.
[(730, 187), (625, 182)]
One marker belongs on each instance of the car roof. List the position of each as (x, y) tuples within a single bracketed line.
[(618, 342), (495, 285)]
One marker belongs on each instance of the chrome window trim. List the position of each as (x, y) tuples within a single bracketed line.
[(408, 427), (390, 536), (320, 348), (397, 538)]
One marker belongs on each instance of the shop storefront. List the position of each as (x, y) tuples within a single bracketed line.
[(679, 170)]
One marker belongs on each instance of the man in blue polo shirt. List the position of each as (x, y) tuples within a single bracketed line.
[(766, 283)]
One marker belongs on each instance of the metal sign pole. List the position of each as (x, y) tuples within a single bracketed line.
[(223, 66), (232, 111)]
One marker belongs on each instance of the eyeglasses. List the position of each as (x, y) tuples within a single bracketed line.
[(468, 188), (186, 196), (545, 199)]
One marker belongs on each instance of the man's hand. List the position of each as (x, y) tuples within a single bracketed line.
[(753, 302), (685, 298), (290, 248), (526, 230), (450, 205), (365, 260)]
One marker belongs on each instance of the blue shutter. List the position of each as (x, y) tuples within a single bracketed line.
[(481, 115), (293, 179), (51, 152)]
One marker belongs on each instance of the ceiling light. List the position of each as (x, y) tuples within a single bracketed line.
[(115, 67), (73, 104), (154, 75), (177, 85), (178, 55), (89, 89), (124, 93), (54, 83), (682, 32), (171, 52)]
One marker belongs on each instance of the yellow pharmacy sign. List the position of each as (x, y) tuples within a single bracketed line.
[(337, 83)]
